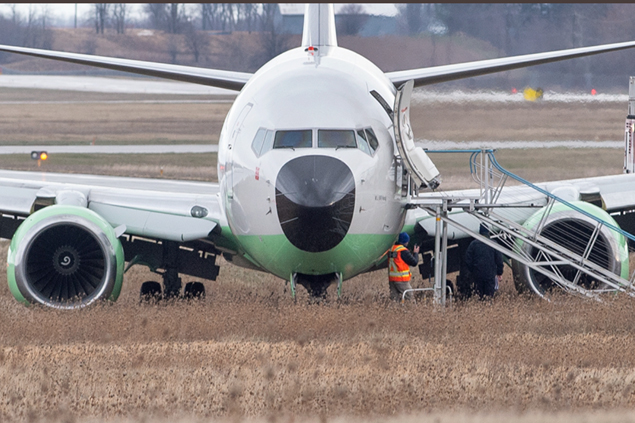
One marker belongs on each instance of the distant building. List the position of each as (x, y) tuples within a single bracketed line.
[(379, 19), (292, 17)]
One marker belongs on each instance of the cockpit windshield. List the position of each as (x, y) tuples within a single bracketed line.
[(362, 142), (362, 139), (328, 138), (293, 139)]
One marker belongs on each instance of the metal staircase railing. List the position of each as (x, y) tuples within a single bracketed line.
[(571, 260)]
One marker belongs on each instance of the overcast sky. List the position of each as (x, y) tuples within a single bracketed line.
[(64, 13)]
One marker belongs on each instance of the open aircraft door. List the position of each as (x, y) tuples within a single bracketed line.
[(415, 160)]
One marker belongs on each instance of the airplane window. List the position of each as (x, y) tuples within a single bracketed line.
[(293, 139), (362, 143), (268, 143), (372, 139), (336, 139), (259, 139)]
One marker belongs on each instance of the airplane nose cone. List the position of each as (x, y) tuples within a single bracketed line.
[(315, 198)]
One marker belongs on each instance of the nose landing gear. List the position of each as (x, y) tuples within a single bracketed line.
[(316, 285)]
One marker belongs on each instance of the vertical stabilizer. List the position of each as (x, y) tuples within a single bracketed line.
[(319, 26)]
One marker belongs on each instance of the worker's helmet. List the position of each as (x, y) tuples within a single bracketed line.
[(404, 238)]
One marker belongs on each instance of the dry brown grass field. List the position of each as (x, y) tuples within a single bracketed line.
[(249, 353), (91, 119)]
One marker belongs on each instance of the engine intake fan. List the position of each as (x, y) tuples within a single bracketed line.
[(572, 231), (65, 257)]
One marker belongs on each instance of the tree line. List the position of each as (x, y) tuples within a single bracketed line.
[(30, 29), (511, 28), (522, 28)]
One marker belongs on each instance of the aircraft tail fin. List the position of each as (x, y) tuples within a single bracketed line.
[(319, 26)]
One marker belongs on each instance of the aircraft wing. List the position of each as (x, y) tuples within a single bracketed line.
[(154, 208), (614, 193), (445, 73), (212, 77)]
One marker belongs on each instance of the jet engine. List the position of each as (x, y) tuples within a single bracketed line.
[(65, 257), (572, 230)]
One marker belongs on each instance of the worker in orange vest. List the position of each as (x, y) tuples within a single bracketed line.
[(399, 262)]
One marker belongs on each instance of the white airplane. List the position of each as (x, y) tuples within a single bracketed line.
[(310, 186)]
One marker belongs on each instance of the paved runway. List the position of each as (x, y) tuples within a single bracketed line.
[(157, 86), (108, 85)]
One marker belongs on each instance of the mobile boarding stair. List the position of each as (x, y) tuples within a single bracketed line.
[(567, 259)]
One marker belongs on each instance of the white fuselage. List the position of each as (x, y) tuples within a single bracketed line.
[(298, 91)]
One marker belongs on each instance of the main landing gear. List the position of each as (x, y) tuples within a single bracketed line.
[(151, 291), (169, 259)]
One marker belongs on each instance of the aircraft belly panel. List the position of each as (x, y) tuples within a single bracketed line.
[(351, 257)]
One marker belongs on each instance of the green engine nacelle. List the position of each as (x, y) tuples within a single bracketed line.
[(65, 257), (572, 230)]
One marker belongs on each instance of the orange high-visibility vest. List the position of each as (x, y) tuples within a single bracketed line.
[(398, 270)]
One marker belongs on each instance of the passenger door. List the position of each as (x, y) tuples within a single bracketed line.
[(416, 161)]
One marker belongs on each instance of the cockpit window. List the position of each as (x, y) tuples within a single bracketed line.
[(372, 139), (336, 139), (363, 139), (263, 141), (268, 144), (362, 142), (293, 139), (259, 139)]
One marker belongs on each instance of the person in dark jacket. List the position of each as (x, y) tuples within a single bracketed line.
[(485, 265), (399, 262)]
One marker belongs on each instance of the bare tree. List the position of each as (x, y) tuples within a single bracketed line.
[(34, 32), (173, 47), (30, 31), (272, 40), (209, 15), (119, 14), (169, 17), (227, 16), (16, 18), (352, 19), (27, 31), (246, 14), (196, 41), (175, 18), (157, 14), (249, 14), (101, 16)]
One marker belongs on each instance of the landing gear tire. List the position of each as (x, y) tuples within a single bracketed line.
[(150, 291), (194, 291)]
